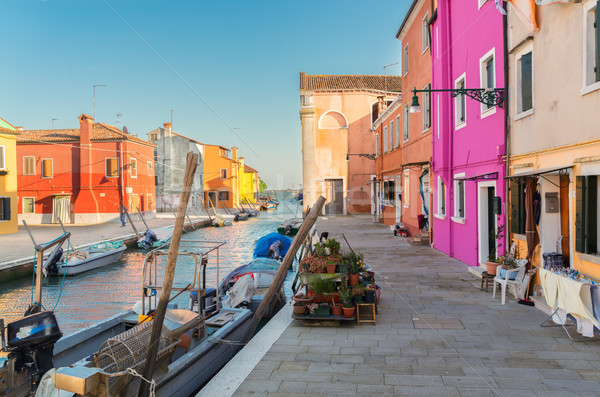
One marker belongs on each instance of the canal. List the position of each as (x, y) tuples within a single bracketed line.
[(90, 297)]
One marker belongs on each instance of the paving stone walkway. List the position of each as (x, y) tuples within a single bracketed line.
[(437, 334)]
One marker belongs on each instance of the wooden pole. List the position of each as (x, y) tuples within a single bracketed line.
[(299, 239), (131, 223), (142, 218), (159, 316), (206, 210)]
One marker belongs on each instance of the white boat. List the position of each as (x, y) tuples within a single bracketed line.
[(156, 238), (83, 260)]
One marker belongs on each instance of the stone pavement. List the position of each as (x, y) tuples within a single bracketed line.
[(436, 334)]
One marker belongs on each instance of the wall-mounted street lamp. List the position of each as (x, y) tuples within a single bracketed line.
[(366, 155), (487, 96)]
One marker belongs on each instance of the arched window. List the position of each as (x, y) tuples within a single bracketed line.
[(332, 119)]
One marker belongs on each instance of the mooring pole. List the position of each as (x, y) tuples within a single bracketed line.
[(131, 222), (159, 316)]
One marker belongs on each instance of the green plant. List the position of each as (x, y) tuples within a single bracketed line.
[(346, 296), (358, 290), (352, 257), (322, 286), (354, 268), (496, 235), (312, 263), (320, 249), (334, 246)]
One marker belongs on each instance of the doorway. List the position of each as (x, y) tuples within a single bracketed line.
[(334, 193), (61, 209), (486, 220), (398, 199)]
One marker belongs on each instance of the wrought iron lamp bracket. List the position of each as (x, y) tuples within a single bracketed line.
[(487, 96)]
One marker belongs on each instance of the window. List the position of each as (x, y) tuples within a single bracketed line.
[(517, 206), (460, 103), (223, 173), (487, 75), (28, 205), (223, 195), (111, 167), (388, 193), (392, 144), (406, 122), (427, 108), (376, 145), (481, 2), (441, 203), (47, 168), (385, 139), (586, 214), (149, 164), (28, 165), (524, 88), (406, 192), (4, 208), (133, 167), (153, 136), (397, 131), (425, 33), (459, 199), (591, 54), (150, 202), (405, 60), (2, 160)]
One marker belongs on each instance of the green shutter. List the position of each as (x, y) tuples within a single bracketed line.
[(6, 208), (514, 206), (591, 215), (597, 35), (579, 213)]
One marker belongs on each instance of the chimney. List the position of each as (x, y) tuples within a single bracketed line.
[(234, 156), (381, 104), (167, 127), (86, 127)]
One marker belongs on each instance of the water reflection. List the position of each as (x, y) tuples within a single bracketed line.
[(96, 295)]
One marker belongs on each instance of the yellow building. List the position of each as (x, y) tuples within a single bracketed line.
[(248, 182), (555, 132), (8, 178)]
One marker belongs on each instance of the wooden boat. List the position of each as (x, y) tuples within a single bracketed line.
[(263, 248), (156, 238), (83, 260), (190, 347), (290, 227)]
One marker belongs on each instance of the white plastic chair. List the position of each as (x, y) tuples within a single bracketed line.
[(518, 285)]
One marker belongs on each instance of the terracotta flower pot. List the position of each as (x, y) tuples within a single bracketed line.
[(348, 311), (299, 309), (492, 267), (331, 268), (353, 279), (303, 299), (336, 310), (320, 270)]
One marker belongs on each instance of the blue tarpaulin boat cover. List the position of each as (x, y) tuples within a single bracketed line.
[(261, 249)]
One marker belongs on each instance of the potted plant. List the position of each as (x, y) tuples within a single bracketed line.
[(346, 297), (331, 265), (313, 264), (320, 249), (357, 293), (353, 273), (312, 308), (336, 308), (493, 259), (370, 294), (299, 308), (334, 247), (301, 298), (508, 263), (322, 288)]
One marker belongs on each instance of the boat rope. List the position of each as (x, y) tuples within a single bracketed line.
[(133, 372), (62, 284), (226, 341)]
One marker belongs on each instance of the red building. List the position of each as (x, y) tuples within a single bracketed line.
[(83, 175)]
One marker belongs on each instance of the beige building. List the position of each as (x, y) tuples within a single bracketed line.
[(338, 148), (554, 134)]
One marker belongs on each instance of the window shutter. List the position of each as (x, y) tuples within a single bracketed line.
[(47, 168), (461, 199), (6, 208), (515, 201), (579, 213), (597, 36), (591, 215)]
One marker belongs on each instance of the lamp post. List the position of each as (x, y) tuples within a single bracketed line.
[(487, 96), (369, 156), (94, 111)]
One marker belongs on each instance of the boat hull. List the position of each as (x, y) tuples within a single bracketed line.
[(94, 261)]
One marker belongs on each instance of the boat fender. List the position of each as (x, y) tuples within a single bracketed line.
[(184, 341), (236, 278)]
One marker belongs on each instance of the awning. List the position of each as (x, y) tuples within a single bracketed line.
[(481, 177), (540, 171)]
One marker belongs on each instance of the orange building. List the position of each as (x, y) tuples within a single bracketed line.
[(220, 176)]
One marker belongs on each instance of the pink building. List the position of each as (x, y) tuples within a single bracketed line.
[(468, 136)]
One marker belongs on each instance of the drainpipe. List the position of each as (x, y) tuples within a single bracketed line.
[(506, 128), (451, 128)]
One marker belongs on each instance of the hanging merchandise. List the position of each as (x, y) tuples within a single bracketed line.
[(425, 221), (525, 10), (500, 8), (546, 2)]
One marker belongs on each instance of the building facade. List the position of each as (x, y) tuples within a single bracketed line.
[(83, 175), (554, 96), (468, 136), (248, 182), (221, 176), (8, 178), (170, 159), (337, 112)]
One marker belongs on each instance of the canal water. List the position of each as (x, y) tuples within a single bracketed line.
[(93, 296)]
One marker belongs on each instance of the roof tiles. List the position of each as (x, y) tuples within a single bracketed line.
[(101, 132), (350, 82)]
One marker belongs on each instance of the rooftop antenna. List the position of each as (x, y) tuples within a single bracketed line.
[(172, 110), (385, 75), (119, 115), (125, 130), (53, 123)]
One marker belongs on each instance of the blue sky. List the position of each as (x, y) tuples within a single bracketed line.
[(242, 57)]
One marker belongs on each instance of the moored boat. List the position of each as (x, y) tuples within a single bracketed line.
[(290, 227), (156, 238), (272, 245), (90, 258)]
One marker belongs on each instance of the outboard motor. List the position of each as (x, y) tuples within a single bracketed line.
[(52, 267), (30, 344), (149, 238), (275, 250), (208, 302)]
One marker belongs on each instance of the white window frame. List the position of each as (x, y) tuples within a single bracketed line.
[(3, 157), (385, 139), (426, 108), (392, 141), (457, 218), (34, 167), (517, 86), (405, 60), (397, 130), (42, 170), (106, 167), (406, 129), (23, 205), (481, 3), (425, 34), (377, 145), (589, 49), (457, 123), (441, 204), (406, 189), (133, 166), (483, 62)]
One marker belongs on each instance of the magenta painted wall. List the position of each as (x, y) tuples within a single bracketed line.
[(462, 34)]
